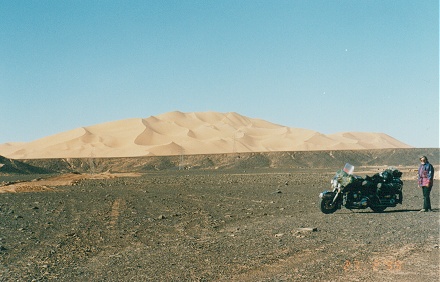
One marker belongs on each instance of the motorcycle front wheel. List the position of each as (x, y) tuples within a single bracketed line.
[(326, 205)]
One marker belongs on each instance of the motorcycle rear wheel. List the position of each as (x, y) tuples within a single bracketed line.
[(326, 205), (377, 209)]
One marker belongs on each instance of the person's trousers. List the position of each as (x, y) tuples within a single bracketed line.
[(426, 198)]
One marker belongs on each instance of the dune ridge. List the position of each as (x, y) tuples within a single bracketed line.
[(177, 133)]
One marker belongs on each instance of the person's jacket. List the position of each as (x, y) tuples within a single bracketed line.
[(426, 175)]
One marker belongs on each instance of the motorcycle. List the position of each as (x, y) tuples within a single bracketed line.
[(378, 192)]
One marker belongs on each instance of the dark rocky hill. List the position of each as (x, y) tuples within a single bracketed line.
[(9, 166), (280, 160)]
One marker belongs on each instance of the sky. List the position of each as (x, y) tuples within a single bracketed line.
[(330, 66)]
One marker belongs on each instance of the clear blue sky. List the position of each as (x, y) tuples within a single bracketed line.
[(329, 66)]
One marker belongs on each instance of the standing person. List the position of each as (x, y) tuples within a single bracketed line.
[(426, 179)]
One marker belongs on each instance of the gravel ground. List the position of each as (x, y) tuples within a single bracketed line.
[(254, 225)]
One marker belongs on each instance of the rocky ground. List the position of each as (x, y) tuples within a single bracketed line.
[(216, 225)]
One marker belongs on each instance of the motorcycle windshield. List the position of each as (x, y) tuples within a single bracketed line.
[(348, 168)]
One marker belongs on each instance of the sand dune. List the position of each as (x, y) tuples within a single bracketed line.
[(176, 133)]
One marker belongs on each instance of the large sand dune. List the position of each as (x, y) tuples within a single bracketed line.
[(177, 133)]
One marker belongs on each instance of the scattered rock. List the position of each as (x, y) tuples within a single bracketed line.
[(307, 229), (196, 227)]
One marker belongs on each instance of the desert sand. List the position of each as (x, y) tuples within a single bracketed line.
[(177, 133)]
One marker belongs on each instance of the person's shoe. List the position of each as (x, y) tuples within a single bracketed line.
[(423, 210), (429, 210)]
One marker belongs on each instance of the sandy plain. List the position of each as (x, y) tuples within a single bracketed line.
[(255, 224)]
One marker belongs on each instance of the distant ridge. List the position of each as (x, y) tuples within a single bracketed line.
[(177, 133), (8, 166)]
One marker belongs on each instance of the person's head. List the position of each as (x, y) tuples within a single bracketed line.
[(423, 159)]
